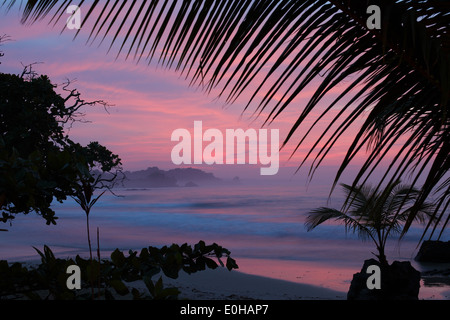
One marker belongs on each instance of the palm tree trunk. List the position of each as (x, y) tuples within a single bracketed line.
[(380, 246), (88, 234), (90, 252), (382, 256)]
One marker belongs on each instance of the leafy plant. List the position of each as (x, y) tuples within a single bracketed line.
[(101, 171), (48, 279)]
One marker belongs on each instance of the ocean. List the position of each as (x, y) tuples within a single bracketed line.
[(262, 225)]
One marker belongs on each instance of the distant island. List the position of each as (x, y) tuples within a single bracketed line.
[(153, 177)]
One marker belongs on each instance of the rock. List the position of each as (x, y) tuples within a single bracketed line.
[(399, 281), (434, 251)]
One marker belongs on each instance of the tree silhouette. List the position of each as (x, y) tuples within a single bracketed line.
[(372, 214), (100, 174), (397, 77), (39, 163)]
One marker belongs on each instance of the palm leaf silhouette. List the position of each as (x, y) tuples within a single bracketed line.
[(373, 214), (397, 78)]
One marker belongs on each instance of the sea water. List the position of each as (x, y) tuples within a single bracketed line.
[(262, 225)]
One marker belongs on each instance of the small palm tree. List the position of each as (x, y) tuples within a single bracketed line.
[(373, 214)]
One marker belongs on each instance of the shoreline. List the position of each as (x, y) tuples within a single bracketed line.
[(250, 283), (271, 279), (221, 284)]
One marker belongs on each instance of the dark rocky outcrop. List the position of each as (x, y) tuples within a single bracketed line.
[(399, 281), (434, 251), (153, 177)]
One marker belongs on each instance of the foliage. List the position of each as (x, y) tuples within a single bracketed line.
[(373, 214), (35, 167), (102, 166), (395, 78), (113, 276), (100, 172), (39, 163)]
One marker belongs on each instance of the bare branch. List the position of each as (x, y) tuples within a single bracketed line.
[(74, 113), (3, 38), (28, 73)]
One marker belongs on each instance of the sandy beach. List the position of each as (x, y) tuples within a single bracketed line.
[(221, 284), (251, 282)]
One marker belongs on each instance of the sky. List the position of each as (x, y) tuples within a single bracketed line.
[(148, 103)]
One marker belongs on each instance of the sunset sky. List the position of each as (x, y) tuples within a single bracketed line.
[(149, 103)]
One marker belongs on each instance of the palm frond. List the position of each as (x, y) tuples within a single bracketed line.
[(352, 224)]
